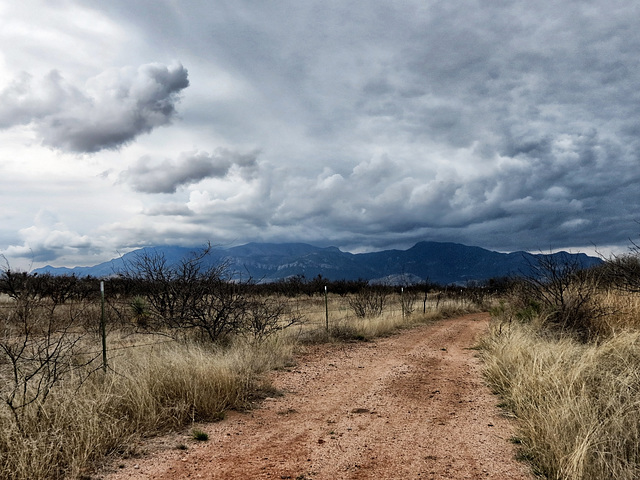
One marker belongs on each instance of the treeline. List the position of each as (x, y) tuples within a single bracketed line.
[(131, 283)]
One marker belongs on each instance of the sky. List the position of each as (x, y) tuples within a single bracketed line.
[(361, 124)]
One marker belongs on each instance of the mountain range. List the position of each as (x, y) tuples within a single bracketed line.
[(442, 263)]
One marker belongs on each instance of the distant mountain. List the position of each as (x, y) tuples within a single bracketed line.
[(443, 263)]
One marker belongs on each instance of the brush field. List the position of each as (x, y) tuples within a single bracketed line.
[(63, 410), (574, 388)]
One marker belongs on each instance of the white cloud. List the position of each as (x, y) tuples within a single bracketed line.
[(48, 239)]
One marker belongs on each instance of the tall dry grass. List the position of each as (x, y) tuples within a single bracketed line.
[(166, 385), (577, 404), (623, 312), (149, 391)]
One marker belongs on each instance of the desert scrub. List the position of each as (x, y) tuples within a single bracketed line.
[(148, 391), (353, 328), (578, 405)]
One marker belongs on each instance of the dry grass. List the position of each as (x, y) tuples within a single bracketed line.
[(577, 404), (345, 325), (167, 385), (367, 328), (151, 390), (623, 312)]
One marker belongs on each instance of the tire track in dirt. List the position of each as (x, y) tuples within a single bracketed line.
[(412, 405)]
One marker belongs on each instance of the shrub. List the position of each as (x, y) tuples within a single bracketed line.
[(563, 294), (196, 296), (623, 271), (369, 302)]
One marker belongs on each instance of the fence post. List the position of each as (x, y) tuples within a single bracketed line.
[(103, 328), (326, 307), (402, 301)]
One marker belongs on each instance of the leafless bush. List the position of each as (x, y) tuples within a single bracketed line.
[(35, 363), (563, 293), (194, 295), (369, 301), (409, 298), (39, 345), (266, 316), (623, 271)]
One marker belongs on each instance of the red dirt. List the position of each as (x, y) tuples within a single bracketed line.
[(412, 405)]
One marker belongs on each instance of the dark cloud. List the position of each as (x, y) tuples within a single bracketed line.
[(112, 110), (552, 194), (510, 125), (149, 176), (497, 124)]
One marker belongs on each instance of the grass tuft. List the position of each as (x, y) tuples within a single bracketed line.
[(199, 435)]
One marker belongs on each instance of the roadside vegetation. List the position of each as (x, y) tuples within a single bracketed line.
[(564, 354), (85, 376)]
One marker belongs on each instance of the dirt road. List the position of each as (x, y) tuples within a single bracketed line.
[(409, 406)]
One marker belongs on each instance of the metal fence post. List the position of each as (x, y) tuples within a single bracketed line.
[(103, 329), (326, 307)]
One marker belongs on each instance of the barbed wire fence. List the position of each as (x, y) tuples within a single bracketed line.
[(116, 329)]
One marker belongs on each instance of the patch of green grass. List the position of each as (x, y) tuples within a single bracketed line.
[(199, 435)]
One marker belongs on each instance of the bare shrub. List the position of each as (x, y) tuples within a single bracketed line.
[(33, 364), (409, 298), (369, 301), (194, 295), (266, 316), (623, 271), (560, 291), (39, 345)]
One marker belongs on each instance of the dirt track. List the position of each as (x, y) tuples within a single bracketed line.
[(408, 406)]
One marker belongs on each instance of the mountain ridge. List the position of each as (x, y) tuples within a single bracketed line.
[(437, 262)]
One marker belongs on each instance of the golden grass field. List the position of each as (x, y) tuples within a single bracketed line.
[(154, 384), (577, 403)]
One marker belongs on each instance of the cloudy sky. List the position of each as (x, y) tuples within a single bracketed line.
[(364, 124)]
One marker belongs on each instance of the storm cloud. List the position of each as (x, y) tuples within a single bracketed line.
[(111, 110), (362, 124), (149, 176)]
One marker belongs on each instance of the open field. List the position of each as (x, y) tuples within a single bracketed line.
[(85, 379), (62, 413)]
